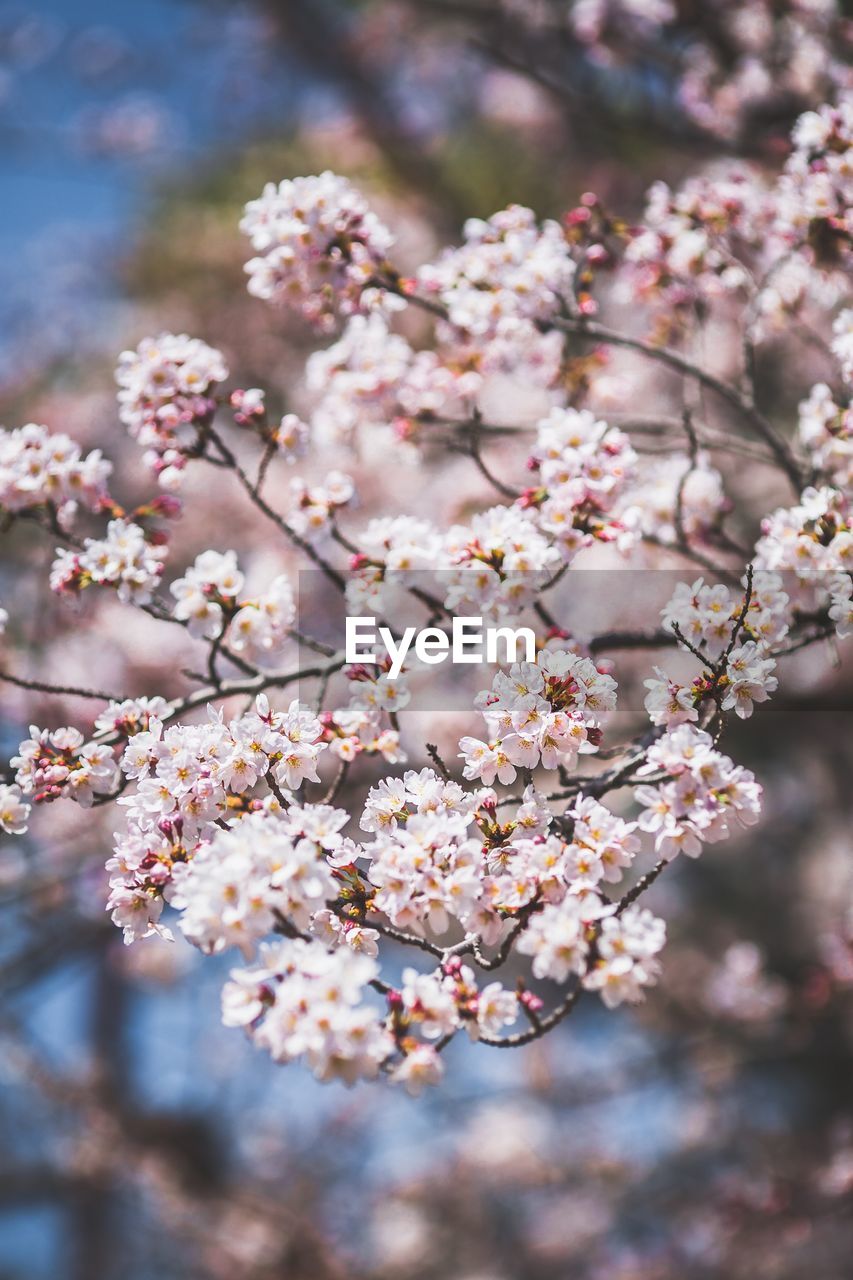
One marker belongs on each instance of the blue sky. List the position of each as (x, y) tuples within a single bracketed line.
[(69, 71)]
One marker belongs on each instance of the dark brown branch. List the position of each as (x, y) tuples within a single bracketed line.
[(778, 445), (59, 690)]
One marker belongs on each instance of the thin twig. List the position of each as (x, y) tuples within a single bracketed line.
[(59, 690)]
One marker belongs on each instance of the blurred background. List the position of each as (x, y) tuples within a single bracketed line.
[(707, 1134)]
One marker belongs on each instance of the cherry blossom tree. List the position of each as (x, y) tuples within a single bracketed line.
[(599, 382), (715, 76)]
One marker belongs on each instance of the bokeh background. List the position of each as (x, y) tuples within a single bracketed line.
[(707, 1134)]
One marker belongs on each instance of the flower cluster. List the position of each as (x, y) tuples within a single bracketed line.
[(363, 725), (423, 867), (167, 391), (302, 1001), (267, 867), (626, 950), (130, 716), (493, 566), (261, 626), (372, 377), (706, 615), (703, 798), (124, 559), (208, 592), (712, 620), (686, 247), (40, 469), (583, 936), (438, 1003), (320, 247), (503, 560), (815, 540), (728, 233), (335, 930), (543, 713), (826, 431), (674, 498), (583, 467), (816, 190), (428, 868), (601, 846), (527, 865), (558, 937), (60, 762), (733, 67), (508, 850), (188, 778), (314, 505), (208, 601), (509, 276), (752, 60)]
